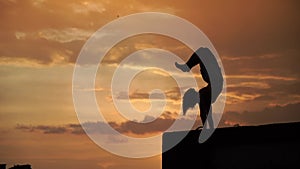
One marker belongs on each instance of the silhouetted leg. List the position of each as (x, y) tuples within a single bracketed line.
[(193, 61), (205, 103), (210, 120)]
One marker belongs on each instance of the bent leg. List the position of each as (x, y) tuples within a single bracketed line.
[(193, 60)]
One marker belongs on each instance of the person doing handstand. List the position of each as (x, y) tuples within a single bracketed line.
[(205, 97)]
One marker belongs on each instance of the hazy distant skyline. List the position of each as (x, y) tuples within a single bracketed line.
[(257, 41)]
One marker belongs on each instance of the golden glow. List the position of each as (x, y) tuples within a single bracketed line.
[(41, 39)]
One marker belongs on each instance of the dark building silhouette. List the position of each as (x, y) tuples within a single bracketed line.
[(271, 146), (26, 166), (2, 166)]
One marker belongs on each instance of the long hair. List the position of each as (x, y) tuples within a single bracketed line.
[(190, 99)]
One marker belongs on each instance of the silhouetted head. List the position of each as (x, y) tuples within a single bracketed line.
[(190, 99)]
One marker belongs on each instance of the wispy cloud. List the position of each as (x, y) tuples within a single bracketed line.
[(239, 58), (171, 94), (20, 35), (19, 62), (259, 85), (58, 35), (86, 7), (234, 97), (38, 3), (65, 35), (261, 77)]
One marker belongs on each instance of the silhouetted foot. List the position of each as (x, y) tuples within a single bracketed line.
[(182, 67)]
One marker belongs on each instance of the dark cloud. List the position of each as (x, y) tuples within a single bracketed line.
[(266, 87), (269, 91), (99, 127), (286, 88), (51, 129), (160, 124), (276, 114), (172, 94), (92, 127), (43, 128), (76, 129), (24, 127)]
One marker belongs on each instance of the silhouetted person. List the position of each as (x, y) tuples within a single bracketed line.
[(204, 97)]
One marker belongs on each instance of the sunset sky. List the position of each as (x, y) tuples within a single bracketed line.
[(40, 40)]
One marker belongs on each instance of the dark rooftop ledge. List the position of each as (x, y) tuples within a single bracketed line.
[(246, 147)]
